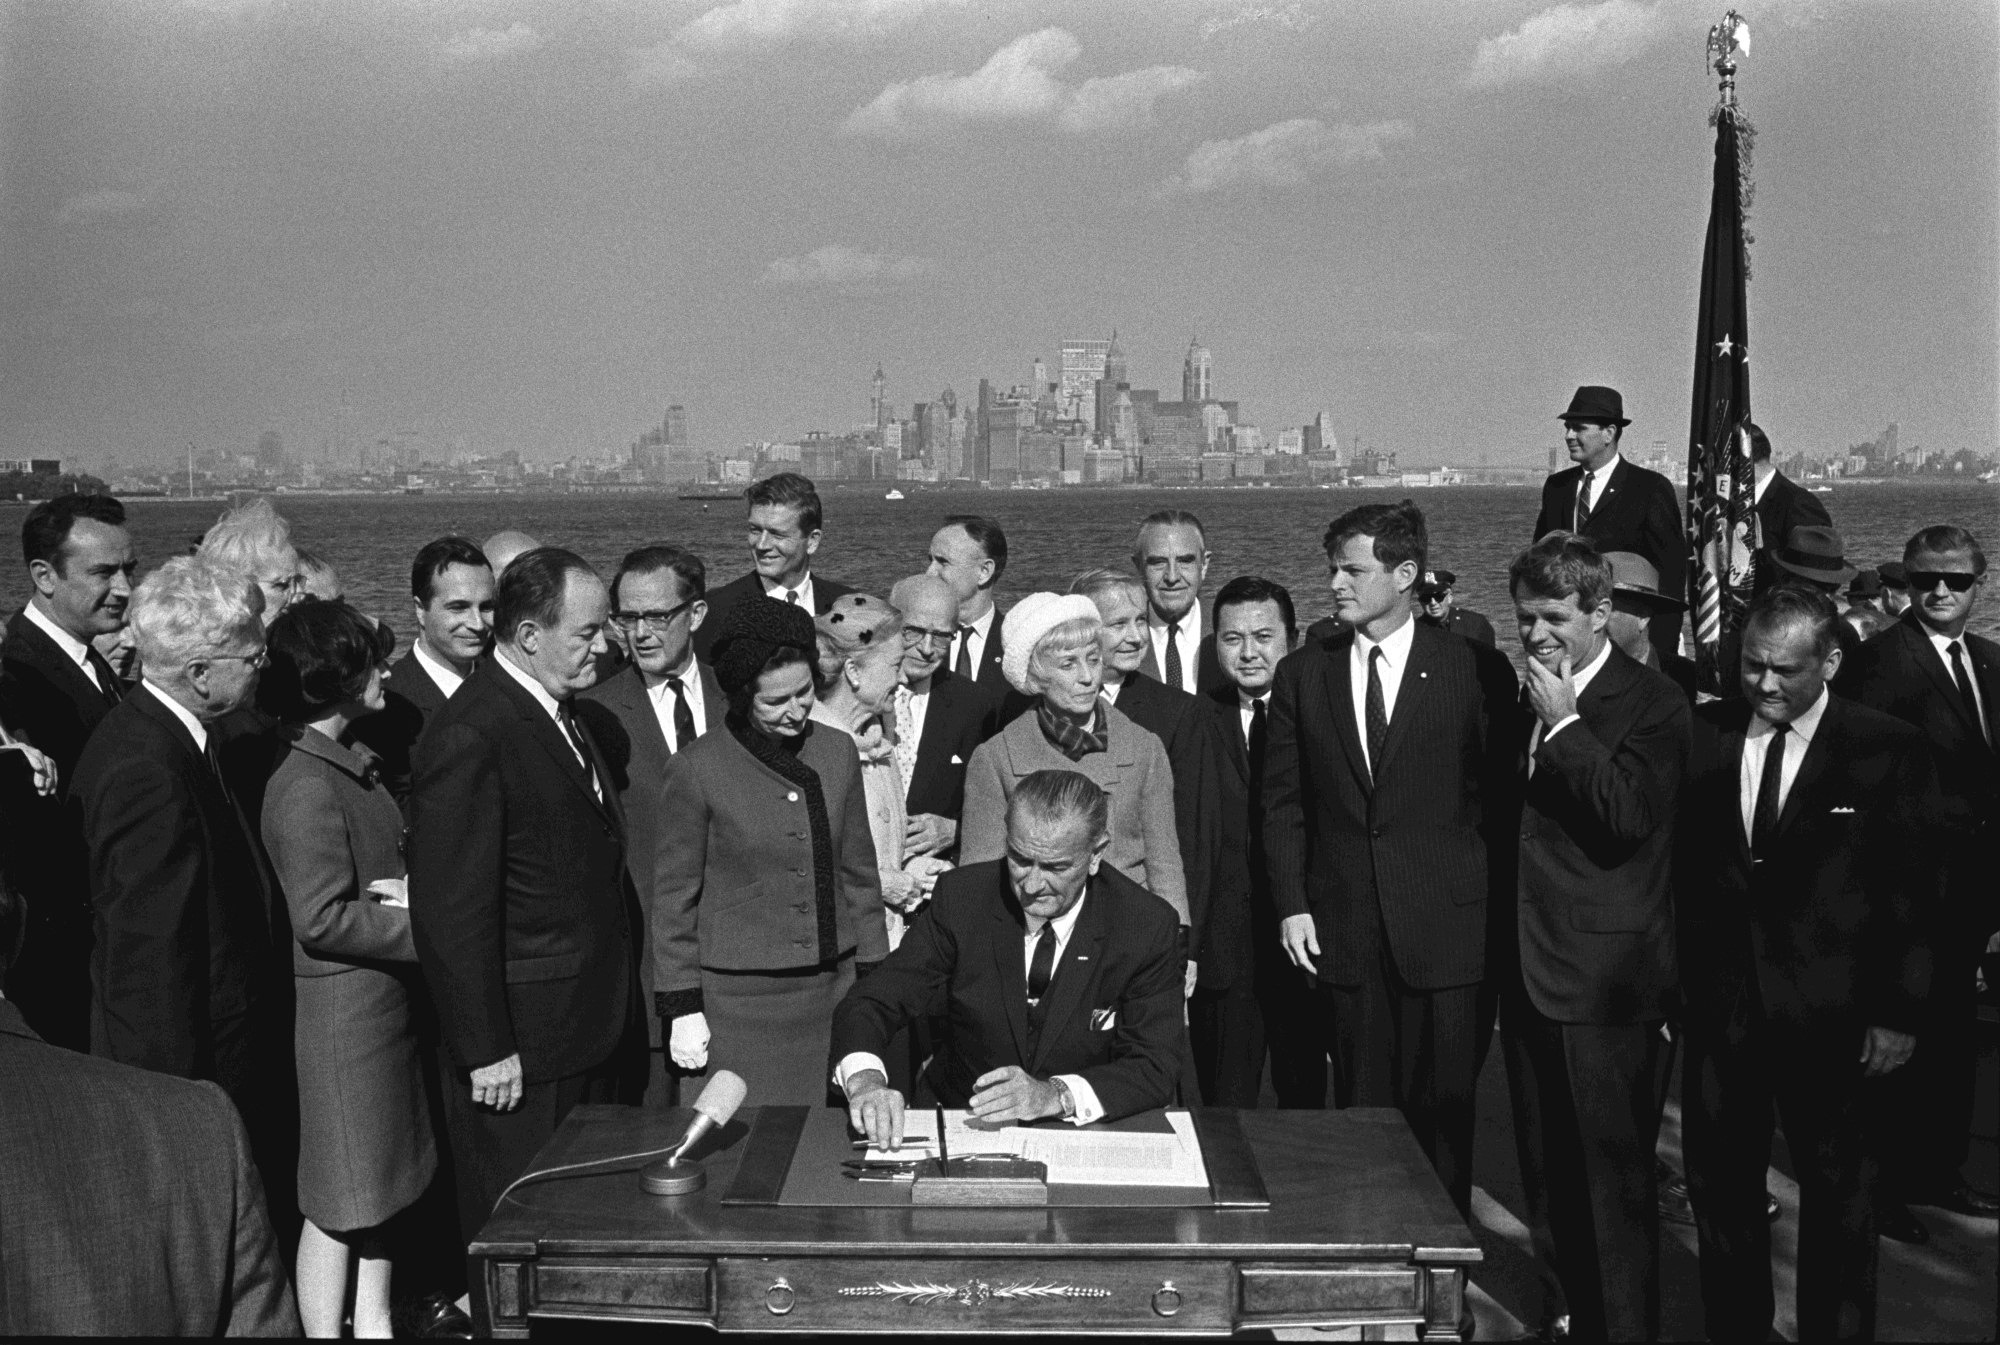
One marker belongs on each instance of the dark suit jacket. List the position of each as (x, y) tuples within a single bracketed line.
[(1786, 505), (1682, 672), (1241, 922), (193, 955), (987, 677), (958, 719), (1638, 511), (720, 600), (1469, 624), (1186, 728), (519, 892), (45, 698), (964, 951), (1406, 853), (627, 733), (392, 732), (1596, 916), (129, 1205), (1828, 923)]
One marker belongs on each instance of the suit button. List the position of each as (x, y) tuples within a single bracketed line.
[(792, 797), (1374, 833)]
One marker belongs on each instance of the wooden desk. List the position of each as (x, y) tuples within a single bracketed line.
[(1359, 1233)]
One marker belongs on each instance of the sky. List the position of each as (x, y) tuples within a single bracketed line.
[(531, 226)]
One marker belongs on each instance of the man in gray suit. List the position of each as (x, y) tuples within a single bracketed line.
[(662, 700), (129, 1205)]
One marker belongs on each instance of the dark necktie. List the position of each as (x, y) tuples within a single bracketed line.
[(575, 736), (1259, 740), (683, 715), (1378, 712), (107, 680), (1960, 675), (1173, 676), (963, 667), (1583, 500), (792, 596), (215, 768), (1764, 821), (1042, 969)]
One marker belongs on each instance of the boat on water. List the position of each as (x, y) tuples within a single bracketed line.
[(893, 494), (708, 495), (1822, 490)]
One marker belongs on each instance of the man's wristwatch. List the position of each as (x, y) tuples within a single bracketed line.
[(1067, 1099)]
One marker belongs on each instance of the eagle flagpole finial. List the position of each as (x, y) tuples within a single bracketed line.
[(1727, 42)]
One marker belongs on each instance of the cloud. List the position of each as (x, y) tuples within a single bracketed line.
[(744, 27), (1292, 18), (476, 46), (109, 204), (1284, 155), (1020, 84), (1561, 40), (844, 267)]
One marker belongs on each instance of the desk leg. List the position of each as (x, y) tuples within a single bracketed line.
[(1444, 1304), (499, 1298)]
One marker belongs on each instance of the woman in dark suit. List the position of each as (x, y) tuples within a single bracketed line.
[(767, 902), (334, 834)]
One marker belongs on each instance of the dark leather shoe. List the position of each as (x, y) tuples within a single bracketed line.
[(1771, 1210), (433, 1317), (1894, 1221), (1961, 1199)]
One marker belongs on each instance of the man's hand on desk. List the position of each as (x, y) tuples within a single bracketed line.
[(1010, 1093), (1301, 942), (875, 1109), (498, 1085)]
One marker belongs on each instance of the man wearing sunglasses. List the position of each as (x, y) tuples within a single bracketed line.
[(1930, 671), (646, 714)]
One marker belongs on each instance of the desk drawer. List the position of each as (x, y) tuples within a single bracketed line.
[(1324, 1295), (1057, 1293), (646, 1289)]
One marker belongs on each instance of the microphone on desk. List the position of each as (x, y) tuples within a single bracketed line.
[(674, 1175)]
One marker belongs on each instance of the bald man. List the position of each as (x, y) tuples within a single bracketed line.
[(940, 716), (502, 547)]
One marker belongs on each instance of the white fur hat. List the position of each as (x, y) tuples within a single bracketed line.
[(1028, 621)]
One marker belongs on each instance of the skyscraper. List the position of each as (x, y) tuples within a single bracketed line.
[(676, 427), (1083, 366), (1197, 374), (878, 400)]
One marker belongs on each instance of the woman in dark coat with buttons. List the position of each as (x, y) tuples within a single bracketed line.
[(334, 834), (767, 903)]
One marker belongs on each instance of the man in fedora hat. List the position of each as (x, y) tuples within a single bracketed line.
[(1635, 601), (1814, 557), (1436, 607), (1617, 506), (1895, 587), (1781, 505)]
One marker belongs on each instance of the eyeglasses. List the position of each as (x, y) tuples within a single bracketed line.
[(916, 635), (631, 621), (1958, 581), (257, 661), (1436, 595)]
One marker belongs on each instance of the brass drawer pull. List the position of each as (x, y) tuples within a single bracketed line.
[(780, 1298), (1166, 1299)]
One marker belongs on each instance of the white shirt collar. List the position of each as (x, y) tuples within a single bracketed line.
[(1943, 644), (804, 588), (448, 678), (1189, 624), (690, 679), (1580, 677), (1064, 923), (69, 644), (194, 726), (535, 689), (983, 624), (1803, 728), (1395, 645), (1244, 700), (1110, 691), (1760, 484)]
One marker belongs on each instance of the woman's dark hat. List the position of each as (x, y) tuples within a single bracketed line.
[(1814, 553), (1602, 406), (1633, 576), (755, 629)]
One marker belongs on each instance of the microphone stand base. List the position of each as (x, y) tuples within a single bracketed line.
[(669, 1177)]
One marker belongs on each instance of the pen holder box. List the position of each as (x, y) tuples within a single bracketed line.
[(981, 1179)]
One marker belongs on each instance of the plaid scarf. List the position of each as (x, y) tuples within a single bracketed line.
[(1074, 738)]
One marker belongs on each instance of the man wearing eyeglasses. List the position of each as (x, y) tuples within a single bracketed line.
[(1930, 671), (646, 714), (940, 717)]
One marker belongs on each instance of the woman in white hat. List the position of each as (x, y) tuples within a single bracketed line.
[(1052, 654)]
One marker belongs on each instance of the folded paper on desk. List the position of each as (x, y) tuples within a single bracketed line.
[(1156, 1149)]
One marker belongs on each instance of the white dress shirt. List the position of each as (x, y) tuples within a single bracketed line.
[(1187, 644), (662, 697), (804, 590), (553, 709), (1579, 678), (1757, 742), (447, 677), (1395, 658), (982, 631), (1088, 1108), (1600, 477), (194, 726), (1110, 690), (1244, 714), (1943, 644)]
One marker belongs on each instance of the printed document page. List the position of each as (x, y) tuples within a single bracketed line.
[(1085, 1156)]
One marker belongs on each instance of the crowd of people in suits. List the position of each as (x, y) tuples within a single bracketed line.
[(323, 944)]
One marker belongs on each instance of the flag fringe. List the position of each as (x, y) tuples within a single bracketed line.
[(1746, 188)]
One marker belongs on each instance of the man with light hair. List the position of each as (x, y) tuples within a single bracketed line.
[(254, 538), (502, 547), (940, 717), (191, 974)]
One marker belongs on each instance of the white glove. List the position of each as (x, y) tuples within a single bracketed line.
[(687, 1042)]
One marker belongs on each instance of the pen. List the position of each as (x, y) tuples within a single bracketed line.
[(906, 1144), (944, 1154), (879, 1177)]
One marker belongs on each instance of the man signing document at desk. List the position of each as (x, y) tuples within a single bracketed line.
[(1050, 1015)]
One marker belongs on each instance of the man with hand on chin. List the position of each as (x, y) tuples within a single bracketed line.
[(1061, 979)]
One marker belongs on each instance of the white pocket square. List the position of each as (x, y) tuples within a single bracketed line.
[(1838, 811), (1103, 1020), (957, 760)]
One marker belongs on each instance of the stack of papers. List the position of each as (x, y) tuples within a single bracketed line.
[(1086, 1156)]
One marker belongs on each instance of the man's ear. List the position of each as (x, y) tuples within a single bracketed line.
[(43, 576), (812, 541), (697, 614)]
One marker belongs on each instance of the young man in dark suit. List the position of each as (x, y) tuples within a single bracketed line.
[(1605, 746), (641, 718), (129, 1204), (451, 594), (1617, 506), (55, 688), (1929, 671), (191, 973), (517, 854), (970, 554), (1389, 752), (1171, 557), (1803, 871), (1781, 504), (940, 717), (785, 533), (1060, 977)]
